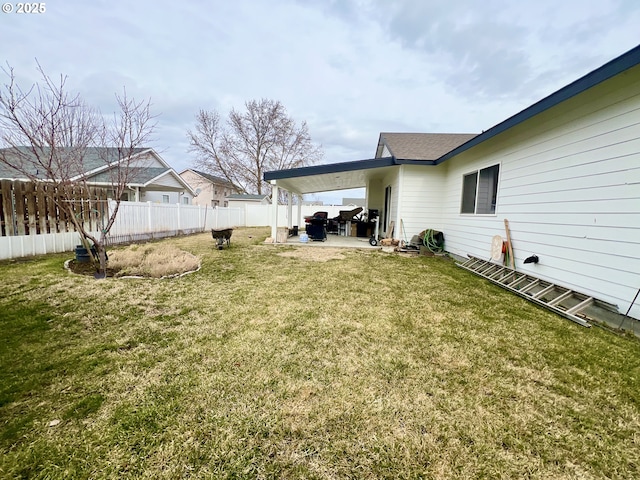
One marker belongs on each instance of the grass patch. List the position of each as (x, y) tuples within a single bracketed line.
[(273, 363)]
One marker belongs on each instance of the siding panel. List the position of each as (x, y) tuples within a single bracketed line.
[(423, 189), (582, 180)]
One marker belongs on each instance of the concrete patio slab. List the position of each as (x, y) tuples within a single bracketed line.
[(334, 241)]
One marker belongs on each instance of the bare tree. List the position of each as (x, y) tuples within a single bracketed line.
[(261, 139), (129, 130), (48, 133)]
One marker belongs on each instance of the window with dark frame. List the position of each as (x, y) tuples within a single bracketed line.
[(469, 184), (480, 191)]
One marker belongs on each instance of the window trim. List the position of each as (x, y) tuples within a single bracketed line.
[(477, 189)]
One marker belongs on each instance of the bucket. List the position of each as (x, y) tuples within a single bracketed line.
[(304, 238), (282, 235), (82, 254)]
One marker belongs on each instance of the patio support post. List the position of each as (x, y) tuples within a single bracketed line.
[(290, 209), (399, 228), (299, 221), (274, 212)]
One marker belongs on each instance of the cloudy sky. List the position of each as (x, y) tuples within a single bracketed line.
[(350, 69)]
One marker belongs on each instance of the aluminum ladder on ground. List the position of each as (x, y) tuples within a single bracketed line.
[(570, 304)]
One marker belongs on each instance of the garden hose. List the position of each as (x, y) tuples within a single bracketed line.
[(430, 242)]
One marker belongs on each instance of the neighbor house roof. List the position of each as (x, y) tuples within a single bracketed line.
[(211, 178), (97, 165), (420, 146), (93, 159)]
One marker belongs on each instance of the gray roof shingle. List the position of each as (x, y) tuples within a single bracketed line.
[(95, 157), (214, 178)]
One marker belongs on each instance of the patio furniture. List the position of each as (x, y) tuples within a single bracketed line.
[(316, 226)]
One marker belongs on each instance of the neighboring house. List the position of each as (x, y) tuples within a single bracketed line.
[(153, 179), (355, 202), (210, 190), (565, 172), (241, 199)]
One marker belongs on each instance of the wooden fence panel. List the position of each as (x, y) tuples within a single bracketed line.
[(6, 198), (20, 207), (53, 212), (41, 209), (61, 215), (50, 209), (33, 209), (75, 212)]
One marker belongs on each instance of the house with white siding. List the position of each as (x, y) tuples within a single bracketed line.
[(565, 173), (210, 190)]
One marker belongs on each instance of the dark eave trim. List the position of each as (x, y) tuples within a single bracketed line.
[(608, 70), (330, 168), (409, 161)]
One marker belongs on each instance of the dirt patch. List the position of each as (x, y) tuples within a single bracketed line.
[(316, 254), (87, 268)]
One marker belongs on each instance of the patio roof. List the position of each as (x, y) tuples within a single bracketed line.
[(332, 176)]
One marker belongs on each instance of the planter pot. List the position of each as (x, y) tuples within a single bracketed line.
[(82, 254)]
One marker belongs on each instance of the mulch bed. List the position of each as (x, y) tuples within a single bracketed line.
[(88, 268)]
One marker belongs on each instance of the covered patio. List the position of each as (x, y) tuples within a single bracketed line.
[(326, 178), (382, 177)]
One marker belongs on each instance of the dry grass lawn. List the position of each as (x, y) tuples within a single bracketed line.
[(286, 362), (155, 260)]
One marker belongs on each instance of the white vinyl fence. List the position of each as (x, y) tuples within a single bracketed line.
[(139, 221), (135, 221)]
